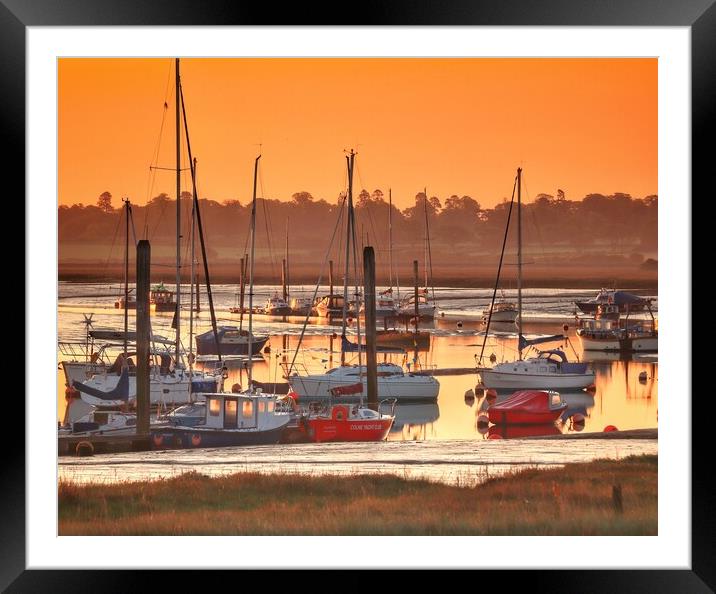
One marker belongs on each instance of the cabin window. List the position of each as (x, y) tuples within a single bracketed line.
[(270, 406), (262, 406), (543, 369), (214, 407), (248, 408), (231, 407), (555, 399)]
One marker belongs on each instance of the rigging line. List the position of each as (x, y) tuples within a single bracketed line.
[(499, 268), (318, 284), (534, 220), (151, 178), (111, 249), (429, 260), (376, 237), (357, 295), (134, 231), (267, 226)]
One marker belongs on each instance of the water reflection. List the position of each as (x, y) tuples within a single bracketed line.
[(626, 393), (414, 417)]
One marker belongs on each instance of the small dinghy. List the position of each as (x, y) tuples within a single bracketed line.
[(528, 407)]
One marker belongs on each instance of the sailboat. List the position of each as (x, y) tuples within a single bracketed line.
[(549, 369), (386, 305), (500, 311), (249, 417), (170, 382), (348, 380), (425, 301)]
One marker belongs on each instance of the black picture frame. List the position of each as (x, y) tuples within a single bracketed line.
[(699, 15)]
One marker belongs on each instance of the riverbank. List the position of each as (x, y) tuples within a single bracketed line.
[(602, 497), (453, 274)]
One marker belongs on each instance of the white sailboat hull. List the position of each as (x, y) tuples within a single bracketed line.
[(500, 316), (426, 312), (644, 344), (536, 381), (162, 389), (402, 388)]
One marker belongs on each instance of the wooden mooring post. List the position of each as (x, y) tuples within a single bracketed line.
[(143, 336), (370, 337)]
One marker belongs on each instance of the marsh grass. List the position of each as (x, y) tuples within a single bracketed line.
[(574, 500)]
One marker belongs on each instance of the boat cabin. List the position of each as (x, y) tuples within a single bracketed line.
[(238, 411), (160, 295)]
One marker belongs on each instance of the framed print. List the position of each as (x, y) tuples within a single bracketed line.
[(247, 257)]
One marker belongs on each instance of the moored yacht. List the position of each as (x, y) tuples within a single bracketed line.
[(232, 341), (426, 309), (550, 369), (276, 306), (502, 311), (393, 382)]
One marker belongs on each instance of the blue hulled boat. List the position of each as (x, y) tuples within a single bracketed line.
[(229, 420), (232, 341)]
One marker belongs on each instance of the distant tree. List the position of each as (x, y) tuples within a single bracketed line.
[(544, 200), (159, 200), (377, 196), (302, 198), (232, 202), (363, 199), (560, 195), (104, 202)]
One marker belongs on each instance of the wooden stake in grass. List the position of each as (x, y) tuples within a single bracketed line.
[(617, 502)]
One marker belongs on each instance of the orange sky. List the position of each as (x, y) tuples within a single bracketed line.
[(457, 126)]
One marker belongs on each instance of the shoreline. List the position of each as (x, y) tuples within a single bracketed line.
[(647, 283), (604, 496)]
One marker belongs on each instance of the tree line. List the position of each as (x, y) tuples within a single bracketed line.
[(552, 224)]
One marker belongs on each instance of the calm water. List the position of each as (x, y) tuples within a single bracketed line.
[(448, 426)]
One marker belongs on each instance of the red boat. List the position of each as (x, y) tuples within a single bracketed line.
[(528, 407), (341, 422)]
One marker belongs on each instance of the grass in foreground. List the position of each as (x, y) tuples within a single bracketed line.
[(575, 500)]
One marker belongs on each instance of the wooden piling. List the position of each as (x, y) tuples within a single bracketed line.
[(242, 289), (417, 308), (330, 279), (143, 335), (284, 280), (198, 304), (370, 333)]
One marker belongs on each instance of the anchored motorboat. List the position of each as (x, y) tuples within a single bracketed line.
[(277, 306), (229, 420), (343, 422)]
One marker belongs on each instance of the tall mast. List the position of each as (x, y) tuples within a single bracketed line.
[(287, 280), (350, 159), (425, 241), (126, 277), (178, 158), (251, 275), (390, 237), (197, 214), (519, 263), (192, 280)]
